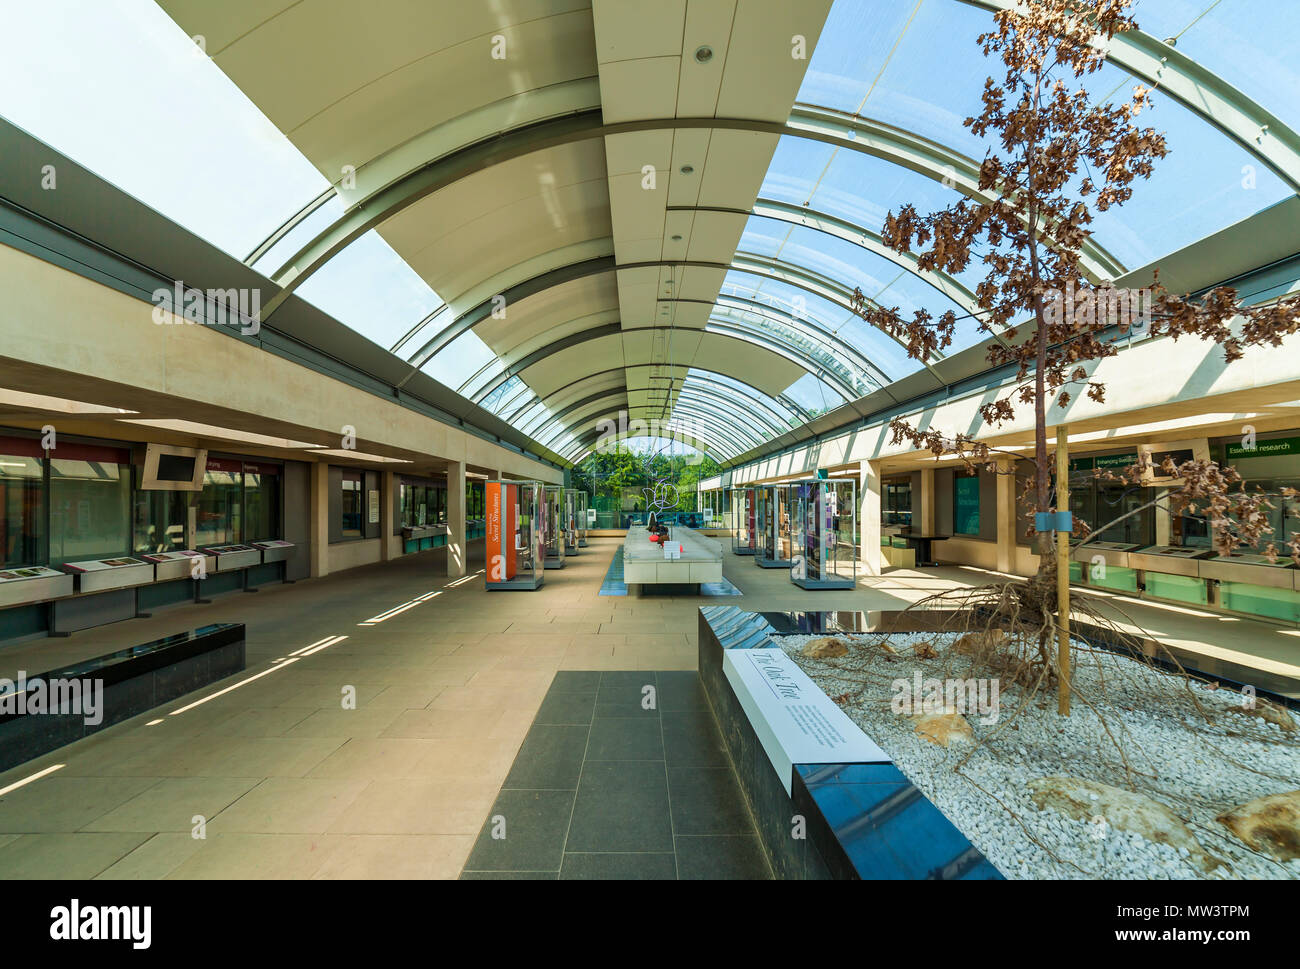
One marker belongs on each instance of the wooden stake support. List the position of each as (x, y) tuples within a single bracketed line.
[(1063, 573)]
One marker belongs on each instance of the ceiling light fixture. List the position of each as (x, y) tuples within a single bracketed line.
[(704, 54), (687, 169)]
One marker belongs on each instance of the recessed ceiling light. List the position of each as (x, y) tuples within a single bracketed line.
[(677, 238), (687, 169), (704, 54)]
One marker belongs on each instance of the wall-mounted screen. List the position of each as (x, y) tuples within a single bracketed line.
[(171, 468)]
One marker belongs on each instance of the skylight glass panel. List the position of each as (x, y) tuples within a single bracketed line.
[(1252, 45), (370, 288), (501, 395), (465, 354), (1206, 183), (813, 395), (932, 81), (116, 86), (838, 320), (293, 241), (727, 387)]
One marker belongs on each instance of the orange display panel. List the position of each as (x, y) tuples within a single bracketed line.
[(501, 529)]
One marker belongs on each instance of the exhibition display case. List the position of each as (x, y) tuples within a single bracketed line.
[(742, 521), (552, 526), (572, 522), (35, 584), (231, 557), (825, 526), (774, 515), (100, 575), (514, 539), (168, 566)]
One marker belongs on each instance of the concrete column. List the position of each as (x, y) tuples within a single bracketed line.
[(923, 507), (319, 527), (455, 519), (1006, 515), (869, 518), (1164, 520), (390, 547)]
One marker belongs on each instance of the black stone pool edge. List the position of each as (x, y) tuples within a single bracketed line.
[(821, 854)]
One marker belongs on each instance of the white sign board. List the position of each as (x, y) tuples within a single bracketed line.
[(795, 721), (373, 496)]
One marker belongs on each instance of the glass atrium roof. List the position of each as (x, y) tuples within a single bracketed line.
[(811, 238)]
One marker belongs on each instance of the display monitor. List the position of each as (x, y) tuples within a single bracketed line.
[(171, 468)]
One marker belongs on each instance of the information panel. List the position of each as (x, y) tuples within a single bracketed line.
[(795, 721)]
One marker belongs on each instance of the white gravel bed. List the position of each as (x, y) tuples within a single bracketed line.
[(1191, 776)]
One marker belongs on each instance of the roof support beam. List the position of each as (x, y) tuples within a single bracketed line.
[(787, 351), (854, 234), (792, 406), (831, 127)]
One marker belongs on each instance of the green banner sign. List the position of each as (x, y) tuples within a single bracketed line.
[(1265, 449), (1104, 462)]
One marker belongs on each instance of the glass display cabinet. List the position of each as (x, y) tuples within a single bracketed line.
[(584, 501), (774, 520), (571, 524), (553, 526), (825, 529), (742, 521), (514, 545)]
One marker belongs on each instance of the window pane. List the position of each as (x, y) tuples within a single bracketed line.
[(351, 504), (158, 521), (966, 505), (220, 508), (262, 506), (89, 510), (22, 504)]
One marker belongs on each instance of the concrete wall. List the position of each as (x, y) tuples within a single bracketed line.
[(70, 336)]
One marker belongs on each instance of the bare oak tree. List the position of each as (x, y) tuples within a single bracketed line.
[(1060, 159)]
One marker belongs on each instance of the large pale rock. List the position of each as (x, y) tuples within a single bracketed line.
[(1128, 811), (1270, 712), (1269, 824), (825, 648), (944, 729), (982, 644)]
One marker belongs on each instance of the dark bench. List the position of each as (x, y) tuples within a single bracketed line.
[(111, 688)]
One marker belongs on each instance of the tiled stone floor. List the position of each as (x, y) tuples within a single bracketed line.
[(291, 785), (622, 775)]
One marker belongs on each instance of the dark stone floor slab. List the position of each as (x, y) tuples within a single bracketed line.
[(566, 708), (534, 826), (729, 857), (681, 691), (625, 738), (549, 759), (620, 866), (692, 740), (604, 789), (473, 876), (707, 801), (575, 681), (622, 806), (624, 694)]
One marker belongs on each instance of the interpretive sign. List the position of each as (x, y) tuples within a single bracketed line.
[(795, 721)]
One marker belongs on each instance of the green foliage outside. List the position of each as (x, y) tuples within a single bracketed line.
[(615, 479)]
